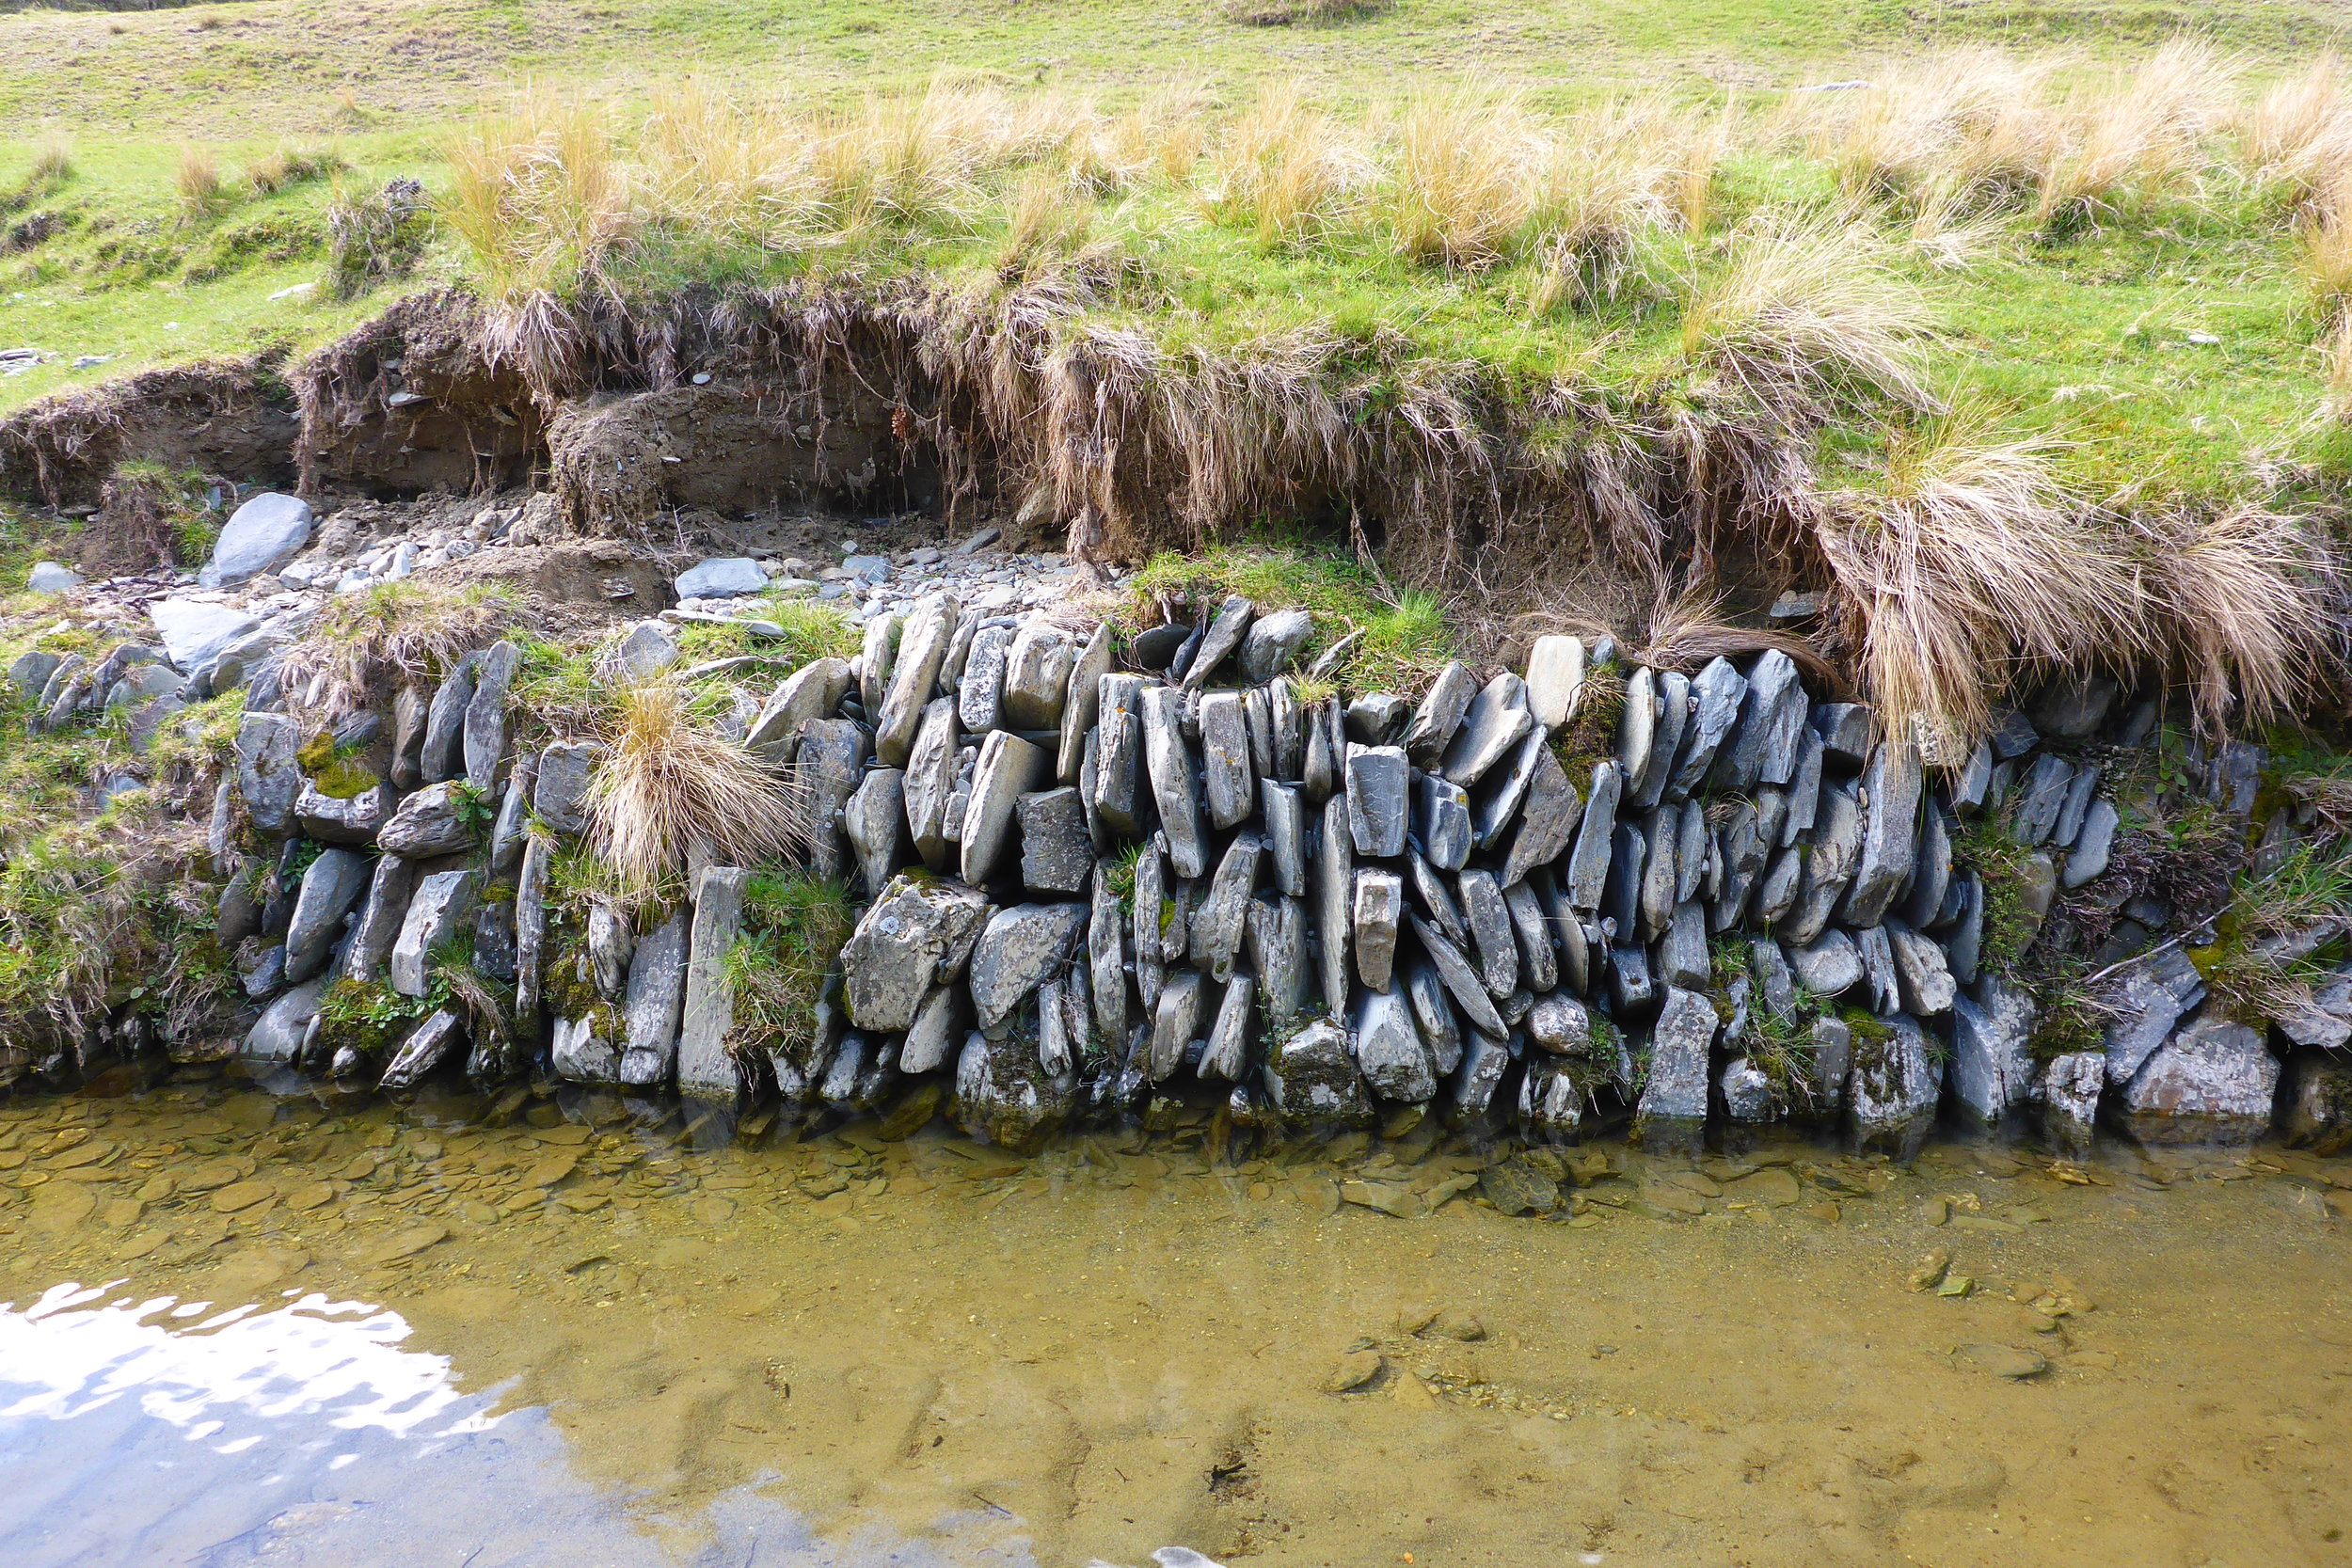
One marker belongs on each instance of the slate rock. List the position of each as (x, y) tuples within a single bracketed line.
[(1893, 1085), (1548, 819), (1018, 950), (442, 906), (1461, 981), (52, 577), (1492, 933), (1223, 635), (1169, 761), (330, 887), (1310, 1078), (1378, 912), (643, 652), (1218, 926), (923, 645), (720, 578), (1008, 768), (1285, 818), (1716, 697), (1559, 1025), (813, 691), (1675, 1089), (333, 819), (1992, 1069), (1037, 677), (1056, 855), (1081, 707), (442, 756), (1555, 674), (2213, 1082), (276, 1036), (1226, 776), (1389, 1047), (874, 821), (1439, 714), (1584, 881), (1335, 903), (706, 1069), (1921, 970), (1378, 799), (915, 937), (1272, 643), (559, 791), (1495, 722), (1175, 1023), (262, 535), (432, 821)]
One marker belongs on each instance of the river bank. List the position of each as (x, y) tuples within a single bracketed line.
[(1122, 1344)]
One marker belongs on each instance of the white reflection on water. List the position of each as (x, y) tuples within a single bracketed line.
[(160, 1432), (337, 1360)]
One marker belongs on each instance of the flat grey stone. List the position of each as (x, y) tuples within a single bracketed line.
[(1492, 933), (1716, 698), (874, 821), (1436, 898), (2152, 994), (1878, 969), (643, 652), (1175, 1023), (2088, 859), (1682, 956), (1378, 799), (930, 783), (1461, 980), (2040, 797), (1272, 643), (1389, 1047), (1539, 967), (2073, 707), (1258, 705), (1586, 877), (654, 1005), (1118, 771), (1776, 984), (1555, 673), (1057, 856), (1218, 925), (1775, 726), (1277, 943), (390, 885), (1441, 820), (1173, 771), (30, 673), (1325, 753), (612, 943), (1433, 1011), (1932, 872), (1495, 723), (2070, 1086), (1310, 1078), (2014, 735), (268, 778), (813, 691), (276, 1036), (442, 906), (1804, 791), (1018, 950), (1674, 721), (1225, 762), (1503, 790), (1738, 860), (1106, 952), (1637, 724), (262, 535), (330, 887), (1377, 916), (923, 645), (1894, 1085), (1921, 969), (1439, 714), (1224, 634), (1548, 819), (914, 938), (1676, 1090), (432, 821), (720, 578), (1828, 966), (1225, 1058), (1008, 768), (1747, 1092), (1964, 941), (1845, 732), (1991, 1060), (878, 661), (1287, 722), (1081, 707), (705, 1068), (1335, 903), (1660, 872), (2213, 1082), (1285, 818), (442, 754), (429, 1044), (559, 793), (1829, 865), (52, 577), (1974, 777), (2079, 791), (1629, 985), (1378, 719), (1832, 1066), (938, 1031), (1037, 677)]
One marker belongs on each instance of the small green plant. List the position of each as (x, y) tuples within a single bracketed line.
[(795, 926), (1118, 875), (367, 1016), (1405, 636), (476, 809), (1590, 736)]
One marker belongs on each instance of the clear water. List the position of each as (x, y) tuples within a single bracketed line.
[(235, 1329)]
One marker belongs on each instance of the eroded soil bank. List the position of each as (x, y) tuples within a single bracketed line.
[(854, 1351)]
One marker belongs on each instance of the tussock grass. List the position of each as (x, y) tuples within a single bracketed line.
[(1283, 168), (287, 167), (668, 790), (52, 163), (2251, 595), (393, 633), (1808, 305), (198, 180)]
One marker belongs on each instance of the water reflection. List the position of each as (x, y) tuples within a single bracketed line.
[(162, 1431)]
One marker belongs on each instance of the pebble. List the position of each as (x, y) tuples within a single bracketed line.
[(240, 1196), (2003, 1360), (1352, 1369), (406, 1243)]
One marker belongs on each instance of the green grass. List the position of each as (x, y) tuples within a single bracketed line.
[(1406, 637)]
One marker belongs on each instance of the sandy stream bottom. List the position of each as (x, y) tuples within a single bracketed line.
[(929, 1352)]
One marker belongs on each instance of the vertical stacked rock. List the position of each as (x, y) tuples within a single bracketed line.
[(1085, 885)]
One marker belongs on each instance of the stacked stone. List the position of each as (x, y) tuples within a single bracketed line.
[(1085, 885)]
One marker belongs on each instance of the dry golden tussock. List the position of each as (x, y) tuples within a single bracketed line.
[(1461, 191), (1283, 168), (2247, 595), (669, 790), (197, 180), (53, 162), (1972, 568), (1806, 307), (2324, 254), (2298, 133)]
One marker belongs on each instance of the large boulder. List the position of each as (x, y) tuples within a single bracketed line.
[(2214, 1081), (1017, 950), (915, 937), (436, 820), (265, 532)]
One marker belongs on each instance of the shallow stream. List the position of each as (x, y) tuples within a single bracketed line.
[(235, 1329)]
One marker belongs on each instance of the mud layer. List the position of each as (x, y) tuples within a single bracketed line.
[(935, 1350)]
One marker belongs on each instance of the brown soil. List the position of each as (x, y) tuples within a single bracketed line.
[(232, 418), (576, 585)]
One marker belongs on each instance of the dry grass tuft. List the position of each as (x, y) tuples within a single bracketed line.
[(2138, 135), (365, 644), (2249, 594), (1975, 566), (1807, 313), (669, 790), (287, 166), (197, 180), (2324, 253), (2298, 133), (1289, 13), (1461, 192), (1283, 169), (52, 163)]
